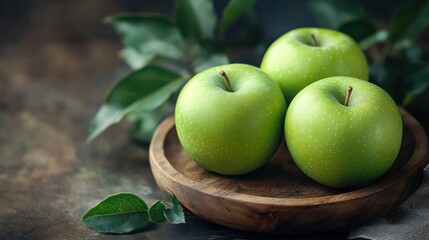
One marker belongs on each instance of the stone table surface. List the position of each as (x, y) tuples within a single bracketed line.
[(49, 176), (55, 70)]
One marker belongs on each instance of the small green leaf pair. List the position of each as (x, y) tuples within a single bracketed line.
[(127, 213)]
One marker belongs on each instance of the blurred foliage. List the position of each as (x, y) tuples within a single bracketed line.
[(163, 53), (397, 62)]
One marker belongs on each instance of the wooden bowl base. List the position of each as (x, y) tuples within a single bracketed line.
[(278, 197)]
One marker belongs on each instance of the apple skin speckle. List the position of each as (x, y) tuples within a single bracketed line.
[(230, 133), (339, 146), (294, 62)]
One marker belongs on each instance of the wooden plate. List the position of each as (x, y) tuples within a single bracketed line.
[(278, 197)]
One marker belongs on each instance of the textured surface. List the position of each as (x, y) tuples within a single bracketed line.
[(54, 74), (48, 176), (57, 62), (409, 221)]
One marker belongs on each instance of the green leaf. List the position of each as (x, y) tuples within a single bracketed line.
[(416, 82), (402, 78), (156, 98), (359, 28), (142, 90), (134, 58), (347, 17), (332, 14), (150, 35), (234, 10), (196, 18), (209, 56), (416, 54), (384, 74), (145, 123), (175, 214), (410, 20), (380, 36), (156, 212), (120, 213)]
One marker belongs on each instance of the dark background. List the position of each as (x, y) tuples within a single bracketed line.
[(68, 41), (75, 21), (57, 62)]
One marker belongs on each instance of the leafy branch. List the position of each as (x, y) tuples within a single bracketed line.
[(397, 62), (163, 54)]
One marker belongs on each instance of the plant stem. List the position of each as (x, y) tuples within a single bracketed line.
[(349, 92), (223, 74), (314, 40)]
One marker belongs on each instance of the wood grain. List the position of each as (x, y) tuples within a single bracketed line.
[(278, 197)]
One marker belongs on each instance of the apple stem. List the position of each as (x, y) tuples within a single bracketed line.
[(349, 92), (223, 74), (313, 38)]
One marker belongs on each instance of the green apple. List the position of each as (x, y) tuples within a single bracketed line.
[(343, 137), (305, 55), (230, 118)]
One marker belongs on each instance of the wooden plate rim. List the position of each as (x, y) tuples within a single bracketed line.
[(157, 157)]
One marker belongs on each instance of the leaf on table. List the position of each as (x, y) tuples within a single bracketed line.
[(175, 214), (140, 91), (196, 18), (149, 35), (119, 213), (209, 56), (410, 20), (156, 212), (233, 11)]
